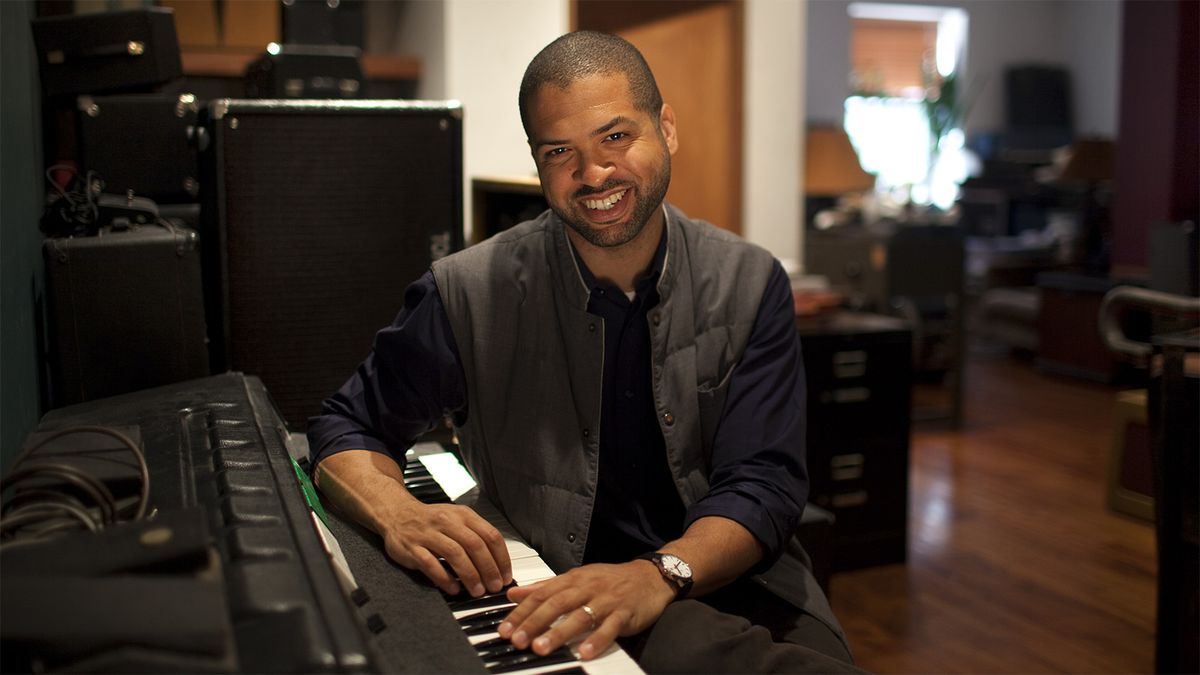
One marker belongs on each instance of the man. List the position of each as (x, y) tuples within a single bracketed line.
[(627, 387)]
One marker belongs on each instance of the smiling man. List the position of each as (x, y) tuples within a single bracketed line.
[(627, 387)]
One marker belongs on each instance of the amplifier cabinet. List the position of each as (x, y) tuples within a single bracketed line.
[(859, 382), (322, 212), (88, 53), (143, 143), (126, 311)]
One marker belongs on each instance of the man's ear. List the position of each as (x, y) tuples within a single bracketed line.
[(666, 123)]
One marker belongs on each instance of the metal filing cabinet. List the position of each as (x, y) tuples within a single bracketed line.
[(859, 374), (914, 272)]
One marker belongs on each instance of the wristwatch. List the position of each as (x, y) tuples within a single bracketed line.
[(675, 571)]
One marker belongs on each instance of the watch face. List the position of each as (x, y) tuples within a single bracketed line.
[(676, 567)]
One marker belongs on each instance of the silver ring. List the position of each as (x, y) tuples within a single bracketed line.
[(591, 614)]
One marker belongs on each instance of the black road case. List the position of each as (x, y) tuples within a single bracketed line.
[(126, 311), (141, 142)]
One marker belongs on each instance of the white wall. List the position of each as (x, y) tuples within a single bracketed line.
[(1095, 57), (827, 60), (488, 45), (772, 140), (1080, 34)]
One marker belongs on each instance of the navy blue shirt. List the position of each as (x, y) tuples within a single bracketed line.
[(637, 507), (414, 377)]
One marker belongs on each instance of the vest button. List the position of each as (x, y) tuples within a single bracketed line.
[(587, 432), (591, 328), (668, 418), (571, 537), (654, 318)]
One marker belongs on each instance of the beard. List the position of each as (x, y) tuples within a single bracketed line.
[(649, 194)]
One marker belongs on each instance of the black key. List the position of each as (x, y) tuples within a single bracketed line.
[(483, 626), (431, 495), (483, 622), (425, 488), (490, 650), (487, 600), (416, 468), (488, 644), (499, 611), (526, 659)]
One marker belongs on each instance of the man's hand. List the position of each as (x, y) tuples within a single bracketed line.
[(624, 600), (369, 487), (417, 534)]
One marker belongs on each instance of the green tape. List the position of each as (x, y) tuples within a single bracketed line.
[(310, 493)]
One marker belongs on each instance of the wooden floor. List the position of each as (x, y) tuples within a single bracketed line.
[(1015, 563)]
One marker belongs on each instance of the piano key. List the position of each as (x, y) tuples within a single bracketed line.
[(485, 626), (431, 495), (496, 646), (450, 473), (467, 603), (479, 616), (413, 482), (523, 659), (414, 467)]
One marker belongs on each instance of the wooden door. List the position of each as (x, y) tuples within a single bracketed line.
[(695, 50)]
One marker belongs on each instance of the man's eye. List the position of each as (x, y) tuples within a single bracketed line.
[(616, 136), (555, 152)]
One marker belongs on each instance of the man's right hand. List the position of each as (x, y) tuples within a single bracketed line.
[(420, 533), (369, 487)]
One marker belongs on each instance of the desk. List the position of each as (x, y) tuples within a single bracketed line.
[(859, 374), (1069, 340)]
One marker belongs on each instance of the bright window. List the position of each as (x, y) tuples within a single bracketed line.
[(904, 57)]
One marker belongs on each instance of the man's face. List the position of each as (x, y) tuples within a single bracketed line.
[(604, 164)]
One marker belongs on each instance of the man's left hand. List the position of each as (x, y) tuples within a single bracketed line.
[(623, 600)]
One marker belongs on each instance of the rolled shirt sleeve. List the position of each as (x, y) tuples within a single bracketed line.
[(758, 477), (411, 380)]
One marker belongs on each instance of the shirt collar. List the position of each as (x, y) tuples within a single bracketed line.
[(646, 281)]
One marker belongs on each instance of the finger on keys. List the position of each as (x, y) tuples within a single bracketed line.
[(600, 639), (463, 564), (541, 609), (571, 624), (436, 571), (518, 594), (492, 558)]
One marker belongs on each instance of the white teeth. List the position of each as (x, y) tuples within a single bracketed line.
[(604, 204)]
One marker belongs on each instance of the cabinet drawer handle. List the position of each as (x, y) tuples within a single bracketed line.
[(851, 395), (846, 467), (846, 371), (848, 499), (849, 364)]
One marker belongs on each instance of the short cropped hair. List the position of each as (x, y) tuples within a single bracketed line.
[(577, 55)]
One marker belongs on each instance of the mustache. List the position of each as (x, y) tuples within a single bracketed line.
[(587, 190)]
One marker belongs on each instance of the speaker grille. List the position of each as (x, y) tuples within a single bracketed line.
[(327, 214)]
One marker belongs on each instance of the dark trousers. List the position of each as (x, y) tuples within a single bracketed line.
[(740, 629)]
